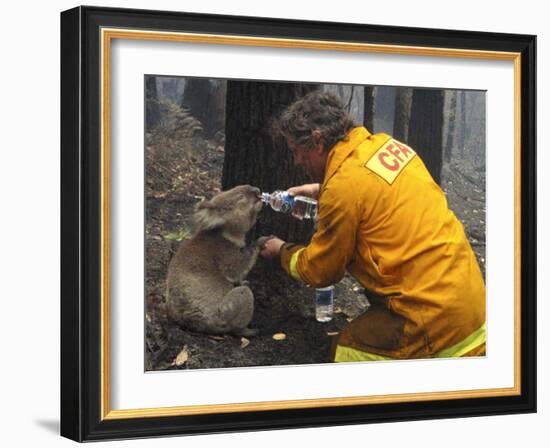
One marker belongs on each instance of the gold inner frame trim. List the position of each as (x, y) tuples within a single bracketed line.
[(107, 34)]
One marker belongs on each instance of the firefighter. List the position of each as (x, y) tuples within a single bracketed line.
[(382, 218)]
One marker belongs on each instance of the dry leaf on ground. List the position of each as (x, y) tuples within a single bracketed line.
[(279, 336), (244, 342), (182, 357)]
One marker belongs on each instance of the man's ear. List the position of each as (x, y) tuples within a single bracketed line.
[(318, 141)]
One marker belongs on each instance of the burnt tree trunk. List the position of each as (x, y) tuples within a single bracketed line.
[(152, 110), (205, 99), (253, 157), (369, 107), (403, 105), (426, 128), (451, 124), (462, 135)]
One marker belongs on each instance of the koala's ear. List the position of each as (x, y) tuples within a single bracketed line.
[(208, 217)]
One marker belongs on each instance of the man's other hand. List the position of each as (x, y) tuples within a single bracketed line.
[(271, 248)]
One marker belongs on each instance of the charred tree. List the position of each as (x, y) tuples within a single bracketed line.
[(205, 100), (426, 128), (463, 124), (403, 106), (253, 157), (152, 110), (369, 107), (450, 100)]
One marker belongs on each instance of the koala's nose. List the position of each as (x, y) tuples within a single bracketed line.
[(255, 190)]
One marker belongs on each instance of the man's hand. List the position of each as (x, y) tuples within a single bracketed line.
[(260, 242), (271, 248), (309, 190)]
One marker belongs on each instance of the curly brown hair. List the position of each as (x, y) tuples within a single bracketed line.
[(317, 111)]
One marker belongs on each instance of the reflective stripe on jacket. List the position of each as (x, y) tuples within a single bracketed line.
[(383, 218)]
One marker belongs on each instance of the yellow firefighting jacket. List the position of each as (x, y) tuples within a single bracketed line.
[(382, 217)]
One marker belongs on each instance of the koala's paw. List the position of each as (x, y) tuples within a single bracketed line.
[(260, 242)]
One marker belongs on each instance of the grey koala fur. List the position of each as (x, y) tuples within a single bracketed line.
[(205, 290)]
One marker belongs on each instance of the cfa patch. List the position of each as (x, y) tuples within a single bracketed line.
[(390, 159)]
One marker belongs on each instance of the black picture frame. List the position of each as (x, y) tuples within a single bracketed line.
[(82, 395)]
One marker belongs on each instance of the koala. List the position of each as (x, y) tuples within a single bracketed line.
[(205, 285)]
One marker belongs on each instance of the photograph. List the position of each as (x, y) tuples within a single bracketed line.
[(291, 223)]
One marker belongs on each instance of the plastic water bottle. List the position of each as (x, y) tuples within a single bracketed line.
[(301, 207), (324, 303)]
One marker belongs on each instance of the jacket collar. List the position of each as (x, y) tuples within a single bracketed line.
[(343, 149)]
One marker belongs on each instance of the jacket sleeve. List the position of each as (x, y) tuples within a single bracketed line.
[(324, 261)]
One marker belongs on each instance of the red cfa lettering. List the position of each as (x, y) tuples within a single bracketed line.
[(393, 167), (395, 152), (390, 159), (404, 150)]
